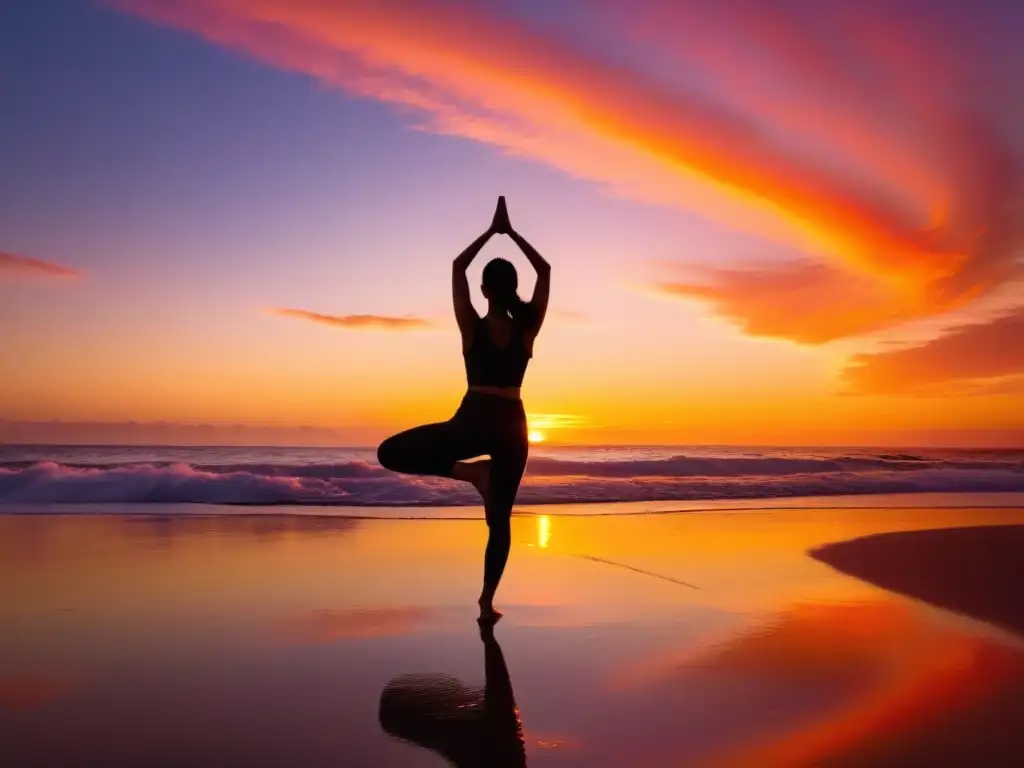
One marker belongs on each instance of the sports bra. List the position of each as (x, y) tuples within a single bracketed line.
[(487, 364)]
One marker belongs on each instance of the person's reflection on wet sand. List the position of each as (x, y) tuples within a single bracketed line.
[(466, 726)]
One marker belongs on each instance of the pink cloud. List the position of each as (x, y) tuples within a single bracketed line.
[(14, 266), (358, 322)]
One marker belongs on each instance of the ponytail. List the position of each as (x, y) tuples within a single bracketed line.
[(520, 312), (517, 309)]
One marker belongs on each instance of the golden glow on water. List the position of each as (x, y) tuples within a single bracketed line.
[(543, 531), (790, 661)]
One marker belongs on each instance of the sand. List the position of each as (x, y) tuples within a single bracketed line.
[(784, 637)]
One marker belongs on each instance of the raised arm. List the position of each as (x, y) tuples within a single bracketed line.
[(539, 302), (465, 315)]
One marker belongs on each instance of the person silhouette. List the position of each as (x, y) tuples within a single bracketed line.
[(468, 727), (490, 420)]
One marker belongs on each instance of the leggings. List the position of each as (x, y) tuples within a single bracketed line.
[(483, 425)]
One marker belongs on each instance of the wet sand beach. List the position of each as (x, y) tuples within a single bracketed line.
[(780, 637)]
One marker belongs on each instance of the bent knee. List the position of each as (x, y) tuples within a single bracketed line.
[(389, 455)]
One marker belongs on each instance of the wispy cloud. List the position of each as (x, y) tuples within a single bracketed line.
[(901, 119), (901, 188), (357, 322), (803, 301), (983, 358), (14, 266), (555, 421)]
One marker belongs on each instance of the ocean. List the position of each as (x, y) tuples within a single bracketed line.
[(165, 479)]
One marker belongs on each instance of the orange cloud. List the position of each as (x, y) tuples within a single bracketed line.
[(477, 74), (493, 78), (984, 358), (804, 301), (358, 322), (546, 421), (751, 48), (14, 266), (1007, 385)]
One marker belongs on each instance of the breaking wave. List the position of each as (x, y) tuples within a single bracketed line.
[(548, 480)]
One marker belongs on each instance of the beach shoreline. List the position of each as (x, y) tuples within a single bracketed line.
[(900, 501), (703, 639)]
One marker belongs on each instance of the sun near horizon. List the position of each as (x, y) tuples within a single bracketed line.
[(263, 254)]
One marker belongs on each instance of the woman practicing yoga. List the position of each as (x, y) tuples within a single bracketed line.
[(490, 420)]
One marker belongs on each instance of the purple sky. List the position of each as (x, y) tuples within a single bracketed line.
[(750, 212)]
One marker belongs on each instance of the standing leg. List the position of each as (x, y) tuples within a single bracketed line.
[(507, 467)]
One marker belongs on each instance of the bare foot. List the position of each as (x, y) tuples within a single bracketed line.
[(482, 480)]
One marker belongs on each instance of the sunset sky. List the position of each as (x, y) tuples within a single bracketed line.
[(769, 223)]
